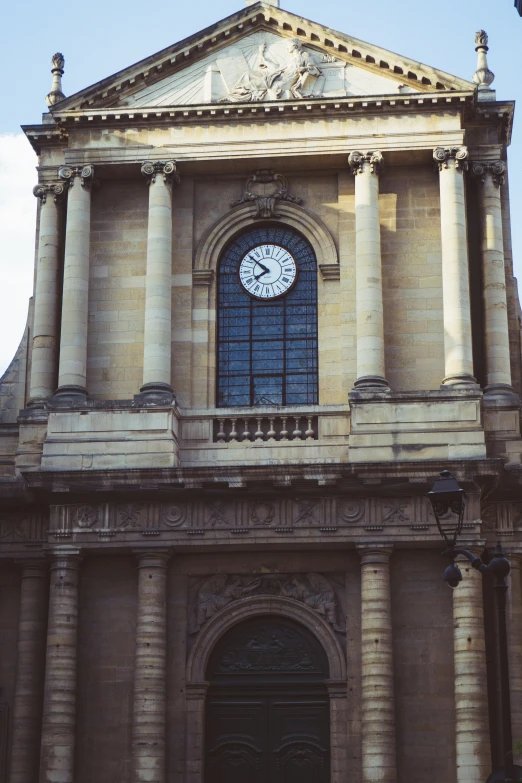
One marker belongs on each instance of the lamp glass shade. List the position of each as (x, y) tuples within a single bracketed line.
[(448, 501)]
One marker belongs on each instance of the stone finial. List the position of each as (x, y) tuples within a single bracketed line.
[(56, 95), (483, 77), (269, 2)]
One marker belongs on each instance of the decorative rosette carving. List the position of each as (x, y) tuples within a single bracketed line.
[(165, 168), (442, 156), (357, 161), (174, 515), (45, 189), (496, 168), (84, 173)]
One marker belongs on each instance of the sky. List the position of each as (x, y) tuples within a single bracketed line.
[(103, 36)]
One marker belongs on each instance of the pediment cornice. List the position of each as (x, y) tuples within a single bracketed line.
[(112, 91)]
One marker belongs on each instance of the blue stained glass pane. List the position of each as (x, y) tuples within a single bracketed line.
[(267, 350)]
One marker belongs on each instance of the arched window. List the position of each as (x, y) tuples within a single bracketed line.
[(267, 340)]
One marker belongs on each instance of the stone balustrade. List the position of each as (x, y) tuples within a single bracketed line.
[(271, 427)]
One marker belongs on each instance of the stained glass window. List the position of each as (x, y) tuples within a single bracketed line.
[(267, 350)]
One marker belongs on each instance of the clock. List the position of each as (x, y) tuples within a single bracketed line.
[(267, 271)]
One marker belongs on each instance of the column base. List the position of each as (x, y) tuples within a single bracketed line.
[(155, 394), (37, 403), (500, 394), (69, 396), (463, 381), (371, 383)]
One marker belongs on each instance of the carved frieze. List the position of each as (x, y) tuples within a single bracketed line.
[(220, 590), (265, 189), (252, 516), (27, 529)]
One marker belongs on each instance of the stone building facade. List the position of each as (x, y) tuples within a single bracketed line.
[(274, 298)]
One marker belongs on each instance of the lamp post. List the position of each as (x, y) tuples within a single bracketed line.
[(448, 501)]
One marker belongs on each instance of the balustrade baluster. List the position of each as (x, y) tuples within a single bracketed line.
[(284, 431), (297, 432), (271, 431), (259, 431), (221, 436), (310, 431), (233, 433), (246, 432)]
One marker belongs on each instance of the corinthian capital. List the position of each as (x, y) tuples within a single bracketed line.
[(164, 168), (357, 161), (84, 173), (45, 189), (459, 155), (496, 168)]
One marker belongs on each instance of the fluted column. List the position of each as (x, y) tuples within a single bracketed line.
[(150, 673), (378, 698), (366, 168), (44, 358), (27, 711), (59, 713), (498, 364), (471, 700), (514, 634), (157, 337), (458, 348), (72, 373)]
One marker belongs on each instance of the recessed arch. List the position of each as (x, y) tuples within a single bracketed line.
[(313, 229), (248, 608)]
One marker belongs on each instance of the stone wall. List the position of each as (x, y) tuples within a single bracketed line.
[(410, 233)]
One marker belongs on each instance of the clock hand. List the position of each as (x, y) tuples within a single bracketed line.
[(266, 270)]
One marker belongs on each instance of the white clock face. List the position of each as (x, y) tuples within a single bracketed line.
[(267, 271)]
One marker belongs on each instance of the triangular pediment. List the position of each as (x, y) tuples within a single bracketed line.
[(261, 53)]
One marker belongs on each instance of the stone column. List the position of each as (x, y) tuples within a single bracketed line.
[(471, 693), (27, 711), (157, 346), (514, 633), (150, 673), (378, 698), (368, 277), (44, 359), (458, 349), (498, 364), (72, 373), (59, 711)]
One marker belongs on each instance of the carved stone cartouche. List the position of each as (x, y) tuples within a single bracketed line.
[(265, 199)]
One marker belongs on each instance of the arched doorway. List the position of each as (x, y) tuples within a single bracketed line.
[(267, 713)]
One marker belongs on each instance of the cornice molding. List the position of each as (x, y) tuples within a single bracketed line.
[(265, 16)]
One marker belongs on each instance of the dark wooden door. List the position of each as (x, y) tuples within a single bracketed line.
[(276, 738), (267, 711)]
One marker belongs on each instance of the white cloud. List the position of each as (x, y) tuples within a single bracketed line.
[(17, 237)]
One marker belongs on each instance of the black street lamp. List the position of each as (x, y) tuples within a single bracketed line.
[(448, 501), (518, 6)]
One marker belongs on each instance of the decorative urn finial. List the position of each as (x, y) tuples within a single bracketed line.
[(483, 77), (56, 93)]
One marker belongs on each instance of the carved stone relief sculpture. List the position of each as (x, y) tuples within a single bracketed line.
[(265, 189), (272, 80), (220, 590)]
